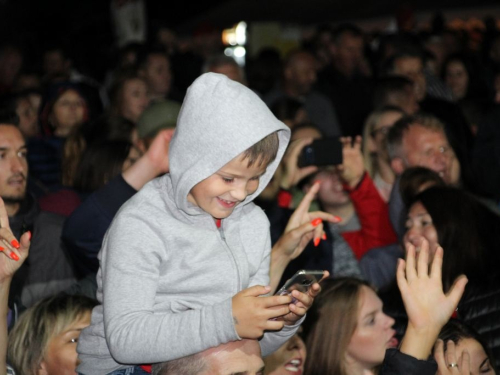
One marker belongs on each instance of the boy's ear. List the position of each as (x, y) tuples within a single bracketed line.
[(397, 165)]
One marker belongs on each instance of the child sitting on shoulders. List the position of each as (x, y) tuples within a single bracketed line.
[(185, 263)]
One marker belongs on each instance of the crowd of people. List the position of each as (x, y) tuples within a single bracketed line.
[(148, 218)]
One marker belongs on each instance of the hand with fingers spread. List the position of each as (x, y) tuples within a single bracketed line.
[(352, 168), (426, 304), (303, 303), (254, 313), (448, 363), (292, 174), (302, 227)]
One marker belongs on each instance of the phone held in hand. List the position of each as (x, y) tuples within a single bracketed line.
[(321, 152), (301, 281)]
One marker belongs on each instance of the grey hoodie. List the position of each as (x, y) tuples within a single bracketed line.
[(167, 274)]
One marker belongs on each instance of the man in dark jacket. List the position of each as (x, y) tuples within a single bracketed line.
[(47, 269)]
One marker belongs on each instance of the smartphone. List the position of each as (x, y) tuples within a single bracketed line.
[(321, 152), (301, 281)]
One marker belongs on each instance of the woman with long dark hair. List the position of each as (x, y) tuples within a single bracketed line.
[(469, 233)]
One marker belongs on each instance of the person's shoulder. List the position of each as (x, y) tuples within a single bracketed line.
[(47, 219), (150, 201)]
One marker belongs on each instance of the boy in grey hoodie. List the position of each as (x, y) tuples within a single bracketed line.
[(185, 260)]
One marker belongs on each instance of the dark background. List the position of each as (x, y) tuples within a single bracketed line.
[(84, 26)]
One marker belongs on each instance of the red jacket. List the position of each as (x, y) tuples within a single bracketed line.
[(376, 229)]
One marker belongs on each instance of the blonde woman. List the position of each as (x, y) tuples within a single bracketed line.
[(375, 153), (43, 340)]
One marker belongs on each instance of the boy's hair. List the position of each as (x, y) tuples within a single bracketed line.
[(264, 151)]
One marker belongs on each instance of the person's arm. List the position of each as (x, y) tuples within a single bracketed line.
[(397, 363), (8, 266), (376, 229), (84, 230), (302, 227), (427, 306), (153, 163), (131, 257), (428, 309), (292, 174)]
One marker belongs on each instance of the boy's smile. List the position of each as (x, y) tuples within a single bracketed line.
[(220, 193)]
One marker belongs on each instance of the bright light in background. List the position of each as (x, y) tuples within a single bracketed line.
[(235, 38), (241, 33), (239, 52)]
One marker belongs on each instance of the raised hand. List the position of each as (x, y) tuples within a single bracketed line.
[(292, 174), (301, 228), (14, 252), (153, 163), (427, 306), (157, 153), (352, 168)]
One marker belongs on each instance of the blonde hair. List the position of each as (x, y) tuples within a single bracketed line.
[(32, 333), (372, 120)]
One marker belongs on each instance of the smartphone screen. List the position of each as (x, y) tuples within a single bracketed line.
[(301, 281)]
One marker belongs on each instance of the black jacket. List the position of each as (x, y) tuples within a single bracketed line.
[(479, 308), (84, 230), (48, 269), (397, 363)]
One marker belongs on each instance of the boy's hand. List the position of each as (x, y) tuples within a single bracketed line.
[(304, 302), (252, 314)]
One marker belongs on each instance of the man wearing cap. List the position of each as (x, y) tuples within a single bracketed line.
[(158, 116)]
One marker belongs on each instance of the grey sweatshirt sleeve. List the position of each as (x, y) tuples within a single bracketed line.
[(136, 333), (271, 341)]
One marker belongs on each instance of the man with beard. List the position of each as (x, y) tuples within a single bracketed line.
[(47, 269)]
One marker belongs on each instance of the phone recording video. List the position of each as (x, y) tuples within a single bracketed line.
[(321, 153)]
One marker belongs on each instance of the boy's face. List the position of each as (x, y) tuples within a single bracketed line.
[(219, 194)]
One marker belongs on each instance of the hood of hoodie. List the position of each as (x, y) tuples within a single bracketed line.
[(219, 120)]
